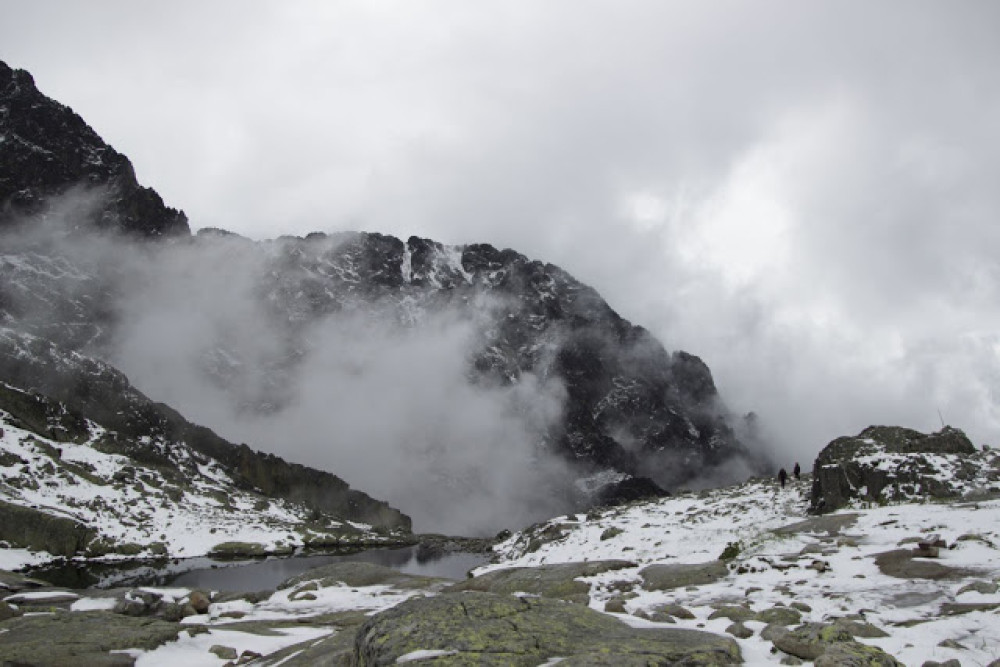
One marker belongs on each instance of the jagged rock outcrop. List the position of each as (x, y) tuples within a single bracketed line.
[(47, 149), (890, 463)]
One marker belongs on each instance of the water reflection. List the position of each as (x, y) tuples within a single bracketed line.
[(253, 575)]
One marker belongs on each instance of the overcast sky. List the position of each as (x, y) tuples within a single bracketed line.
[(804, 194)]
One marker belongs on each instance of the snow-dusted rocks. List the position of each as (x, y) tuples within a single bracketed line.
[(887, 463), (89, 493), (768, 599)]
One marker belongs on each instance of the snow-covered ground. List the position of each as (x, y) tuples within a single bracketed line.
[(778, 557), (774, 569)]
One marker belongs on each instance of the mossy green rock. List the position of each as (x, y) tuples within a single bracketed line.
[(831, 644), (733, 613), (779, 616), (81, 638), (856, 654), (666, 577), (549, 581), (490, 629)]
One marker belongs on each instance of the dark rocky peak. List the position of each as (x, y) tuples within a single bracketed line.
[(431, 264), (48, 150)]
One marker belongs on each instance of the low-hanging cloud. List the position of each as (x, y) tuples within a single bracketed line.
[(803, 194), (392, 409)]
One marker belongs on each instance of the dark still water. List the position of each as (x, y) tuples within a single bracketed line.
[(248, 575)]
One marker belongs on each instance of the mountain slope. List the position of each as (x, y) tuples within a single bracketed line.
[(479, 366)]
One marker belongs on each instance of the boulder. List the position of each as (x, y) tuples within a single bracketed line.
[(667, 577), (489, 629), (890, 463), (82, 638), (779, 616), (830, 645), (900, 563)]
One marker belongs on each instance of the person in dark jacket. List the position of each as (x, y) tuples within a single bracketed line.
[(782, 477), (797, 471)]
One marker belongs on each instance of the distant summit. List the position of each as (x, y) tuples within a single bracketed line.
[(46, 149)]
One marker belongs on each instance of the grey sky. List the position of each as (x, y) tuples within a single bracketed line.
[(804, 194)]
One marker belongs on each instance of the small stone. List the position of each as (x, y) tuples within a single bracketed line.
[(615, 606), (779, 616), (733, 613), (199, 602), (801, 606), (951, 643), (820, 565), (947, 663), (675, 610), (932, 541), (739, 630), (224, 652), (772, 630), (984, 587), (248, 656)]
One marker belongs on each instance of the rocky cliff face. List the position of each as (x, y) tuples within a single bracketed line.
[(627, 408), (893, 464), (46, 149)]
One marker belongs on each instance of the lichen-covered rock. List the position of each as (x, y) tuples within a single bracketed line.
[(488, 629), (733, 613), (855, 654), (549, 581), (81, 638), (675, 610), (829, 645), (739, 630), (666, 577), (779, 616), (892, 463)]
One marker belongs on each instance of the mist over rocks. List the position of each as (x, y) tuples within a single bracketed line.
[(473, 387)]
